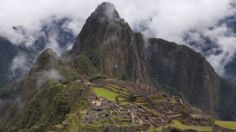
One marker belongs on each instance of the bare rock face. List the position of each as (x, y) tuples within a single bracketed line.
[(110, 44), (227, 110), (184, 71)]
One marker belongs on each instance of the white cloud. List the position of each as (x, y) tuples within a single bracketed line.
[(53, 44), (19, 65), (52, 75), (168, 19)]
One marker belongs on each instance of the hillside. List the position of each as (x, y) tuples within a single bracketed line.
[(7, 52), (115, 50), (114, 79)]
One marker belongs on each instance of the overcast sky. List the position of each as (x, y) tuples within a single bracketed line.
[(167, 19)]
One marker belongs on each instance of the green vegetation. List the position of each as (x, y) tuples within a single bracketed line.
[(227, 124), (50, 106), (97, 77), (83, 65), (105, 93), (47, 59), (179, 125), (175, 124), (68, 73), (118, 89), (73, 126)]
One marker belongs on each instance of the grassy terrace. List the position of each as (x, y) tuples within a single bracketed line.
[(227, 124), (105, 93), (178, 125)]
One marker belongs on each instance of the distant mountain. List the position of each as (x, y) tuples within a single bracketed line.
[(116, 79), (55, 29), (9, 51)]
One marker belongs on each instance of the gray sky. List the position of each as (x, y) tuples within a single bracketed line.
[(167, 19)]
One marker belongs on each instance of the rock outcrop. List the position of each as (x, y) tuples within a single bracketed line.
[(110, 44), (115, 50), (185, 72)]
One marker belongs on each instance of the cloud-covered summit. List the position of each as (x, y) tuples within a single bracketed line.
[(167, 19)]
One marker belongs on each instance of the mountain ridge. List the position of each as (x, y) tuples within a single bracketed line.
[(104, 41), (108, 57)]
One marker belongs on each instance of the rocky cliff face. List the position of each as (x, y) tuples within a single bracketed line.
[(107, 45), (227, 110), (115, 50), (110, 44), (185, 72)]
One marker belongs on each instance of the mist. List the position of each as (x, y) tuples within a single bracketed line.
[(167, 19), (50, 75)]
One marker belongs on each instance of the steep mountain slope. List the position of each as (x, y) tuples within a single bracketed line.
[(227, 109), (185, 72), (73, 103), (51, 31), (110, 44), (113, 79), (7, 52), (42, 102), (115, 50), (45, 62)]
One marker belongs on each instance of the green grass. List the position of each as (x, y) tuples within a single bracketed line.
[(177, 124), (74, 125), (105, 93), (227, 124)]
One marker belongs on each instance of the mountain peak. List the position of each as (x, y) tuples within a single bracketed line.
[(49, 51), (108, 42), (102, 24), (106, 10)]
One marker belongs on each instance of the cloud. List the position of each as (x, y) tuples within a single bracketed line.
[(32, 14), (224, 39), (19, 66), (50, 75), (53, 44), (167, 19)]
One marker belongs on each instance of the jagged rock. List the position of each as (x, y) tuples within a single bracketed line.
[(107, 45), (115, 50), (110, 44), (227, 110)]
